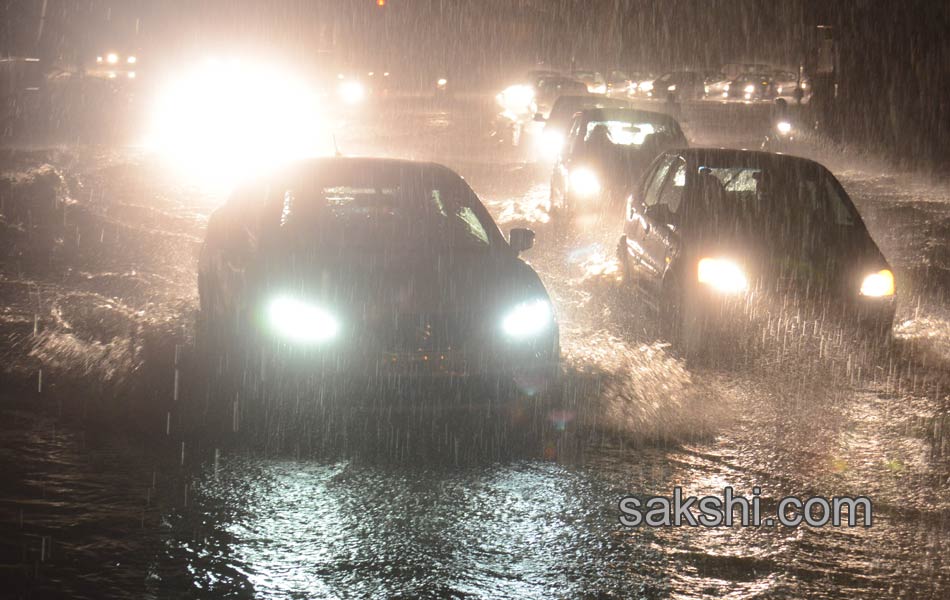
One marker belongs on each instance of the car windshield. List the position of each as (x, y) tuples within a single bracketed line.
[(791, 199), (386, 211), (627, 133)]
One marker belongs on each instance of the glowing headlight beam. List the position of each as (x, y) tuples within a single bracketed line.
[(784, 127), (722, 275), (877, 285), (551, 143), (301, 322), (352, 92), (584, 182), (223, 121), (527, 319)]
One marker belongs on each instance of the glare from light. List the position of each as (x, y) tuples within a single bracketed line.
[(722, 275), (441, 82), (98, 59), (597, 88), (131, 60), (671, 88), (646, 86), (551, 143), (386, 74), (131, 75), (749, 89), (112, 58), (352, 92), (528, 319), (301, 322), (877, 285), (221, 122), (584, 182), (784, 127), (517, 98)]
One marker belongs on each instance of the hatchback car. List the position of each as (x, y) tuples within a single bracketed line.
[(605, 152), (707, 230)]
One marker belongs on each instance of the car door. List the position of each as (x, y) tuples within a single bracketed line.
[(571, 145), (660, 222), (635, 223)]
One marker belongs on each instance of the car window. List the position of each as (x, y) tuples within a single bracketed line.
[(384, 212), (798, 197), (672, 193), (624, 133), (654, 184)]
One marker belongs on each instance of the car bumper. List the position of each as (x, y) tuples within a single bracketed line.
[(730, 311)]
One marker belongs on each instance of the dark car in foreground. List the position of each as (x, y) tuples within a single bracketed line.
[(343, 269), (605, 152), (709, 231)]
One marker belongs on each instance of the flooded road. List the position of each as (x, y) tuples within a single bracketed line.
[(101, 497)]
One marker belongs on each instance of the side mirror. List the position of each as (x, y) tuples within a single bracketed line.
[(660, 213), (521, 239), (539, 118)]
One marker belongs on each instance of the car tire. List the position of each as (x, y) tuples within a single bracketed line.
[(623, 259), (680, 321)]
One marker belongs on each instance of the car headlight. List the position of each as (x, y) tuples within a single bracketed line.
[(300, 321), (784, 127), (584, 182), (352, 92), (877, 285), (646, 86), (528, 319), (516, 98), (749, 89), (723, 275)]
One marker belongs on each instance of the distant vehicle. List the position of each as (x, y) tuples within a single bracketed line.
[(604, 154), (752, 87), (678, 85), (549, 89), (114, 65), (558, 123), (716, 86), (618, 84), (345, 269), (709, 230), (594, 80), (788, 87), (638, 79)]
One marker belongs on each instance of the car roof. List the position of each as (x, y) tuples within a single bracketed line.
[(722, 157), (310, 166), (629, 114)]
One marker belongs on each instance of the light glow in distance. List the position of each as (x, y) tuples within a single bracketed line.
[(220, 122)]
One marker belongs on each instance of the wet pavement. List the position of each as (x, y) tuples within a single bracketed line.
[(103, 497)]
